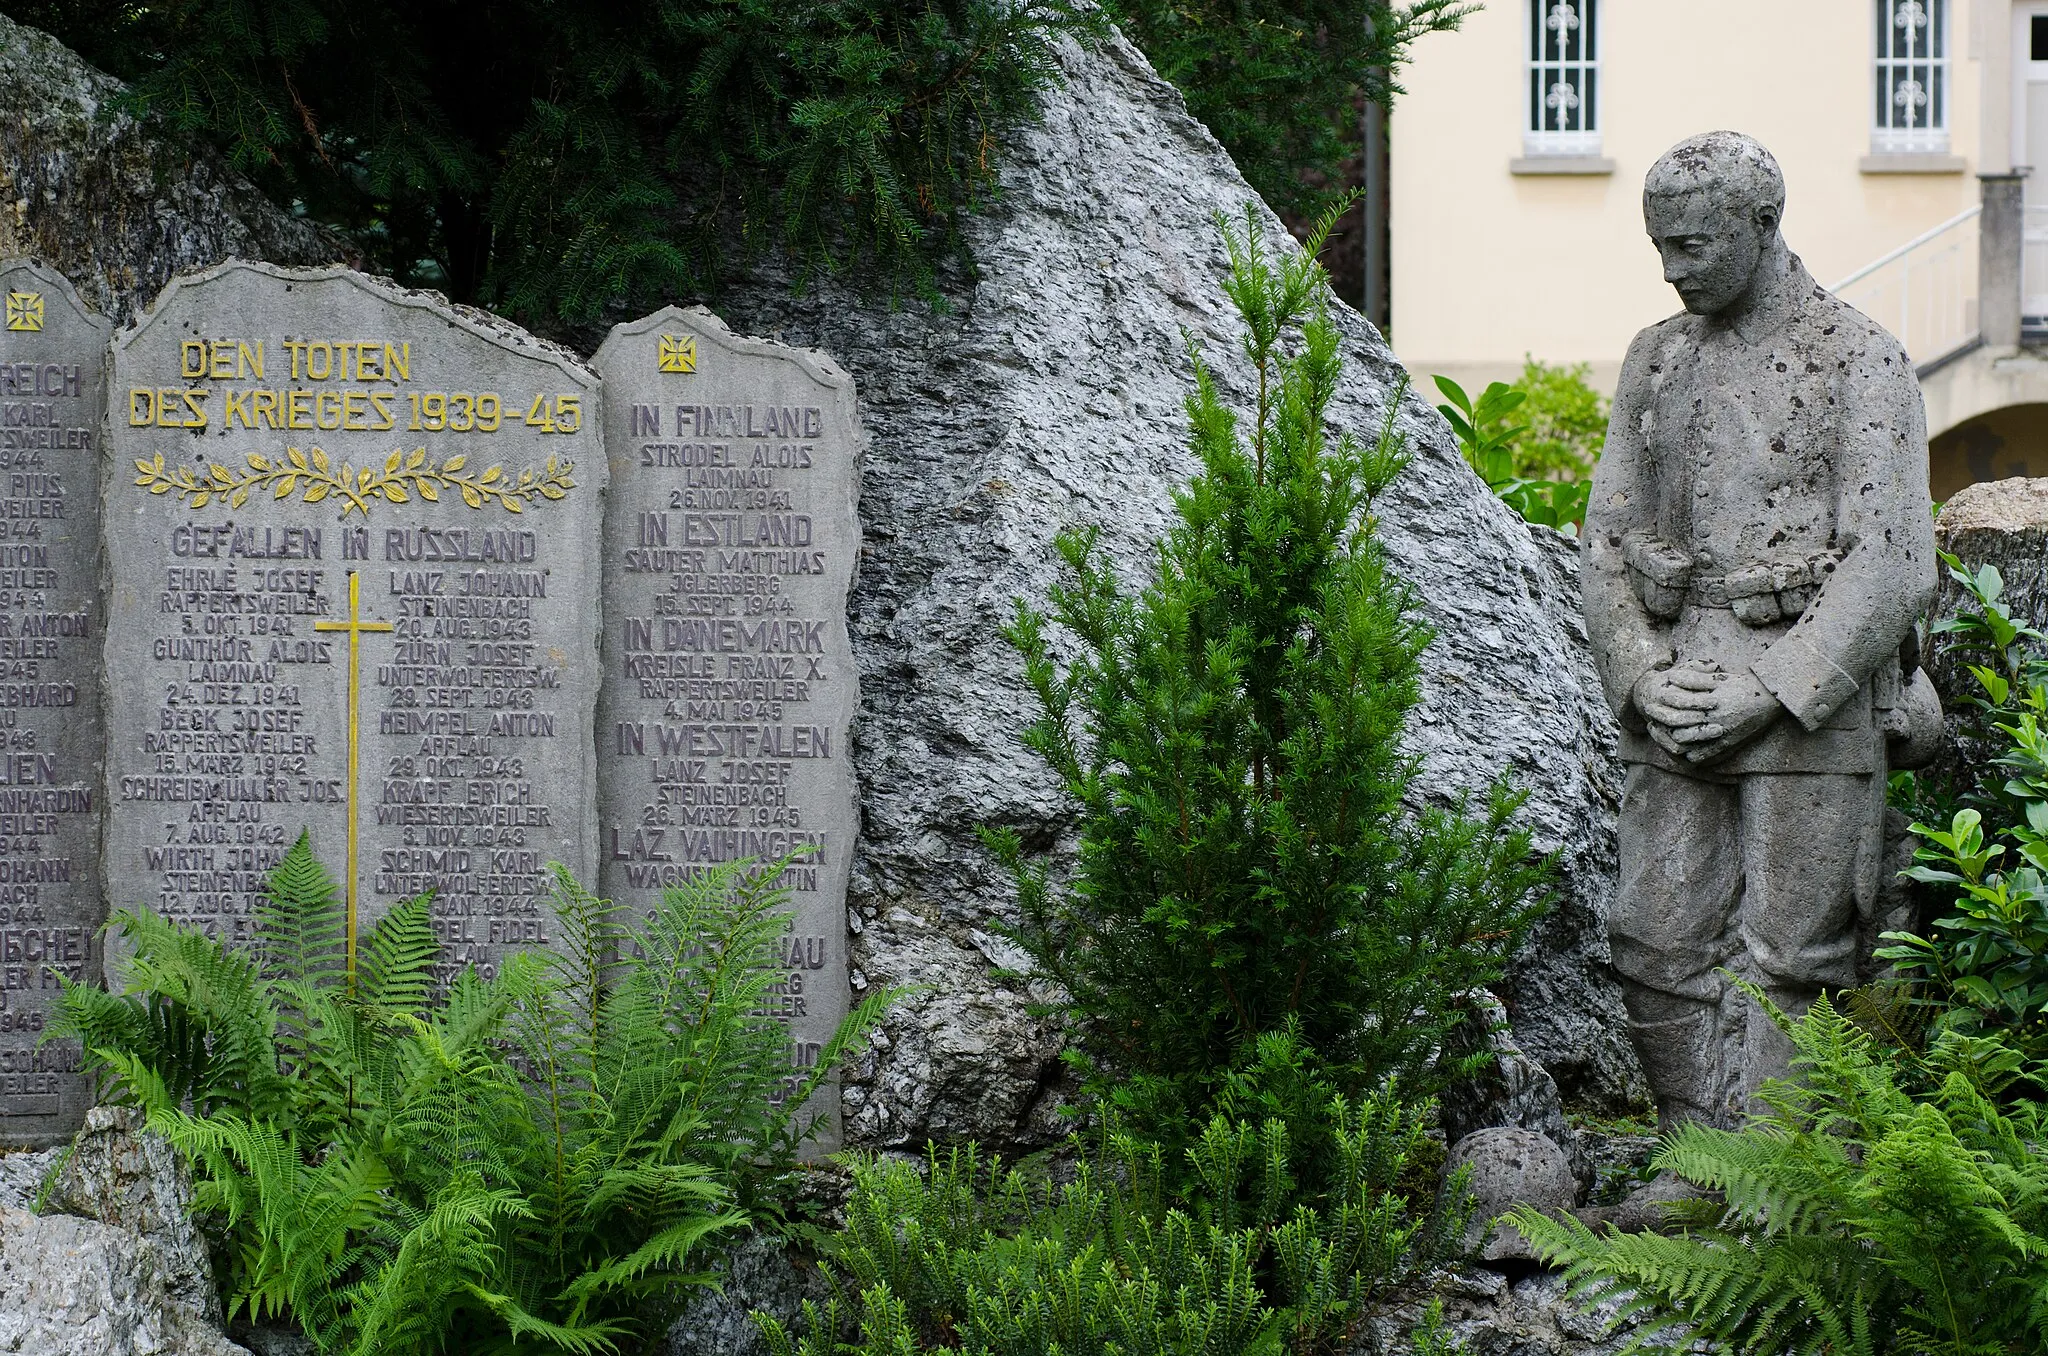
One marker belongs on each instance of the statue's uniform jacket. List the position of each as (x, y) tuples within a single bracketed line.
[(1761, 504)]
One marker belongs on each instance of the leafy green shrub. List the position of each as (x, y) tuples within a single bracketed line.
[(530, 1161), (565, 154), (2007, 660), (1567, 421), (1859, 1220), (1491, 446), (1983, 965), (974, 1257), (1232, 736)]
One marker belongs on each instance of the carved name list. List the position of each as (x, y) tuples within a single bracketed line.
[(52, 396), (354, 589), (729, 684)]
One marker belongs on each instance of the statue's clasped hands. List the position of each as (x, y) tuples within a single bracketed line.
[(1700, 712)]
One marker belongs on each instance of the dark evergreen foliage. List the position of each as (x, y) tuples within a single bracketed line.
[(972, 1257), (551, 156), (1232, 736), (1279, 81)]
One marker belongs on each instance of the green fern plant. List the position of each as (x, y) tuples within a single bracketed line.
[(975, 1256), (1859, 1219), (528, 1162)]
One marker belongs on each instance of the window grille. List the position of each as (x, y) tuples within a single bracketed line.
[(1912, 76), (1564, 78)]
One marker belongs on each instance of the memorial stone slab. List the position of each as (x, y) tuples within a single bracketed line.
[(729, 683), (353, 589), (53, 354)]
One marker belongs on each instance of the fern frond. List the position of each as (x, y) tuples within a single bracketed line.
[(301, 920), (395, 962), (664, 1253)]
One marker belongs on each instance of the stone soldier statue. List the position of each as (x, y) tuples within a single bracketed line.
[(1756, 553)]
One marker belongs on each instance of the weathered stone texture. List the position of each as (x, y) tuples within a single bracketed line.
[(1510, 1090), (2002, 523), (70, 1285), (757, 1274), (1509, 1168), (116, 1266), (121, 1175), (1051, 393), (111, 202), (1490, 1314)]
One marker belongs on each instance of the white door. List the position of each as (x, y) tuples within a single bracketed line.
[(2030, 148)]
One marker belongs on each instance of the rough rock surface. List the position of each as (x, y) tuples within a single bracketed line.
[(119, 1174), (755, 1274), (2002, 523), (1509, 1167), (117, 1266), (1491, 1314), (110, 202), (1051, 393), (70, 1285), (1511, 1090), (22, 1175)]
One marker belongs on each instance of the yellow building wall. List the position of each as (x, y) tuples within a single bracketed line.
[(1489, 265)]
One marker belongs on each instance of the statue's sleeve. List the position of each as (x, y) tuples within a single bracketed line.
[(1627, 641), (1885, 531)]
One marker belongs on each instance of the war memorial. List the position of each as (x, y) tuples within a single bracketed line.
[(908, 613)]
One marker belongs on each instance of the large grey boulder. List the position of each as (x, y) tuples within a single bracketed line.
[(114, 204), (112, 1264), (123, 1175), (1051, 393), (70, 1285), (1507, 1168)]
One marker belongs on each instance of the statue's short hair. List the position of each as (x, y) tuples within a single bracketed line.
[(1736, 168)]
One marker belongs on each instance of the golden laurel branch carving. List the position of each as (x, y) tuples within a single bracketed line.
[(401, 477)]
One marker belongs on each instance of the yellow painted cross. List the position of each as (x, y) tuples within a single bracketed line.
[(355, 626)]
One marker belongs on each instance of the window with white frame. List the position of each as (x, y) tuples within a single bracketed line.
[(1912, 76), (1563, 115)]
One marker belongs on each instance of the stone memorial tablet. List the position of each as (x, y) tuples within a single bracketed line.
[(53, 354), (354, 589), (729, 684)]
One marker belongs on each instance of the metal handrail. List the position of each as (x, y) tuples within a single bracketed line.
[(1915, 243)]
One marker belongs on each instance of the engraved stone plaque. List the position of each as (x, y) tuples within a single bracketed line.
[(53, 354), (353, 555), (729, 684)]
